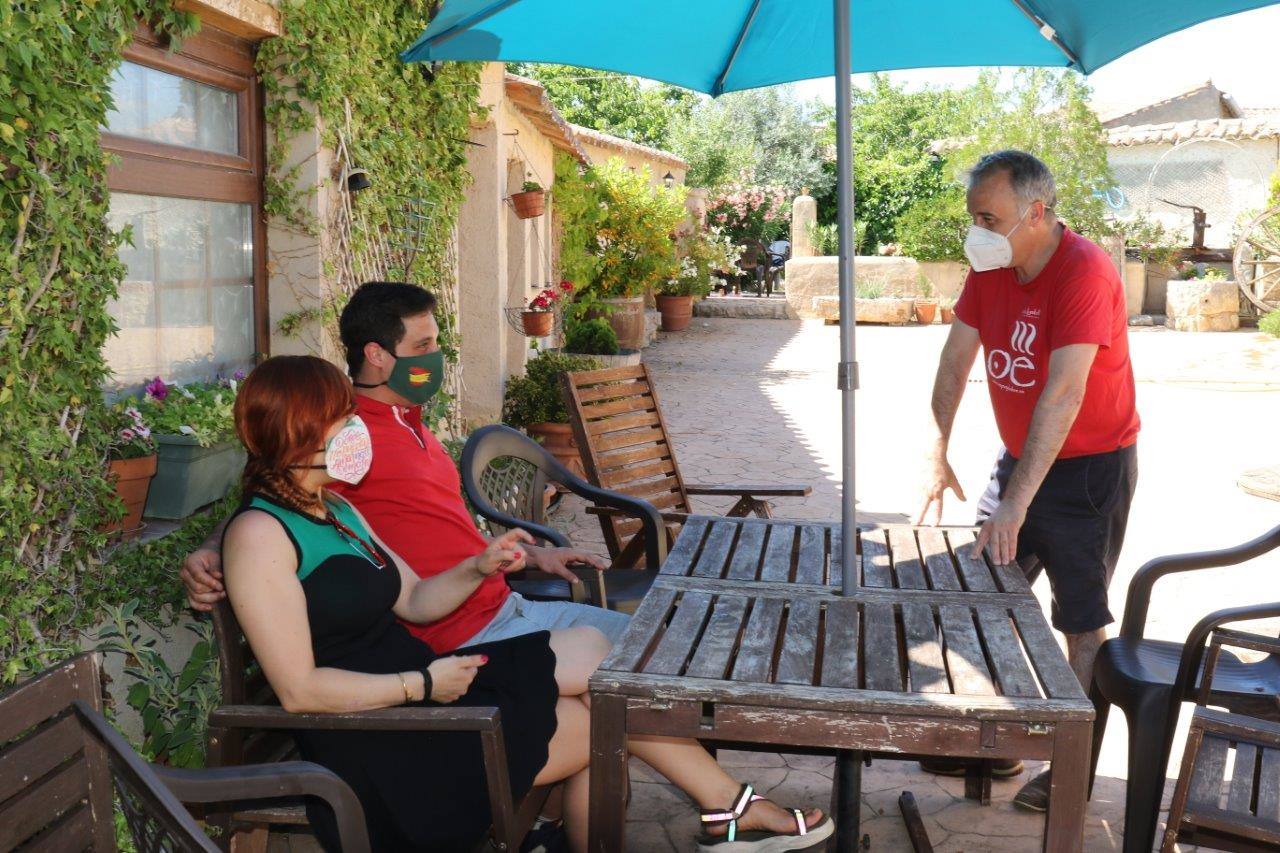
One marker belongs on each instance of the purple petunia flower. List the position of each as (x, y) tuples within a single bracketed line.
[(238, 376), (156, 389)]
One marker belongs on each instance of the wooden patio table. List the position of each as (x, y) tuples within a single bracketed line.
[(745, 638)]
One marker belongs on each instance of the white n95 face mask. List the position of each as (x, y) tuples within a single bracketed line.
[(987, 250)]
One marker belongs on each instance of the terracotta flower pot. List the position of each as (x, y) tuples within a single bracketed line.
[(537, 324), (948, 314), (530, 204), (133, 479), (926, 309), (676, 311), (559, 441)]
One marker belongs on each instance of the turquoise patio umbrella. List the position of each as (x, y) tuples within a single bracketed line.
[(717, 46)]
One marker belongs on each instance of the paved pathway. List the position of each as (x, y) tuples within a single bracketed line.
[(752, 400)]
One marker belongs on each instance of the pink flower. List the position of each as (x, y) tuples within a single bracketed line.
[(127, 434), (566, 286), (156, 389)]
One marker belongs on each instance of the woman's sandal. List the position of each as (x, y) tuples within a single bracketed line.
[(758, 840)]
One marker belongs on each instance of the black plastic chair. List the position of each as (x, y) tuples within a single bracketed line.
[(1150, 679), (504, 473)]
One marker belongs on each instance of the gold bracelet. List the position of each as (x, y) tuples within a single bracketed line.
[(405, 685)]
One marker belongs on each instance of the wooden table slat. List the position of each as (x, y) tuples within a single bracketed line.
[(680, 557), (745, 564), (755, 654), (882, 659), (836, 577), (1269, 785), (966, 661), (877, 571), (711, 660), (1205, 790), (681, 636), (799, 650), (925, 667), (1013, 675), (1046, 655), (811, 566), (1240, 795), (716, 549), (908, 569), (973, 568), (778, 553), (1008, 576), (937, 559), (840, 643), (643, 627)]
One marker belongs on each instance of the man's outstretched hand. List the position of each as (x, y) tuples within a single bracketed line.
[(202, 576), (940, 478)]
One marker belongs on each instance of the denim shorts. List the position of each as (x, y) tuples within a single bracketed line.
[(518, 616), (1073, 531)]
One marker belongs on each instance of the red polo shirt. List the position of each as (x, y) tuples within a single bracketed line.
[(413, 498), (1077, 298)]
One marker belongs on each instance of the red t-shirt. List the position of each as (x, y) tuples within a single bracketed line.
[(412, 497), (1077, 298)]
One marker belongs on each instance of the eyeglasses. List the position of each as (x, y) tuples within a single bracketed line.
[(371, 553)]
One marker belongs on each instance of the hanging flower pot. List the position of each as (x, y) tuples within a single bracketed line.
[(537, 324), (530, 202)]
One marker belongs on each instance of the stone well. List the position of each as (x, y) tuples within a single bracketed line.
[(1203, 305)]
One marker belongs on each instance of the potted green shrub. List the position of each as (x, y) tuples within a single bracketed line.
[(702, 253), (530, 202), (533, 402), (199, 456), (926, 306), (131, 462), (597, 339)]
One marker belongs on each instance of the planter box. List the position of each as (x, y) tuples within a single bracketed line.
[(623, 358), (189, 476)]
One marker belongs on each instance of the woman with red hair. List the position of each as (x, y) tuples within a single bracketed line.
[(318, 596)]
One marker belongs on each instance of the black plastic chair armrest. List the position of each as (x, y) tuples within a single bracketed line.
[(498, 440), (1139, 596), (461, 719), (271, 781), (550, 535), (1193, 649)]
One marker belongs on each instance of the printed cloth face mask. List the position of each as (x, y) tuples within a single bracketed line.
[(987, 250), (349, 454), (417, 378)]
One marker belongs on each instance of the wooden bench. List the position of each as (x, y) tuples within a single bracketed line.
[(251, 727), (62, 765)]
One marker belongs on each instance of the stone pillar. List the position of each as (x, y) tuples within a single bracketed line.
[(1203, 305), (804, 215)]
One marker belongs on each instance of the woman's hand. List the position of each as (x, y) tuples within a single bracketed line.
[(452, 676), (504, 554)]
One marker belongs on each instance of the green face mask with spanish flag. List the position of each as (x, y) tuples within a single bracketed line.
[(417, 378)]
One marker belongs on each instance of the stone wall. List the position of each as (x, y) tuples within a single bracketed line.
[(1203, 305), (810, 280)]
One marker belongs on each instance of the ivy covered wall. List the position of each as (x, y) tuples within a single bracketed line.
[(57, 58)]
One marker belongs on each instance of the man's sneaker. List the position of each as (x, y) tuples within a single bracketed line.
[(546, 836), (1034, 796), (1001, 768)]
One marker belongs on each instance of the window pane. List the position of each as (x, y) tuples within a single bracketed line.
[(185, 309), (162, 107)]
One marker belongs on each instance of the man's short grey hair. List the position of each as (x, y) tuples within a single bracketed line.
[(1030, 177)]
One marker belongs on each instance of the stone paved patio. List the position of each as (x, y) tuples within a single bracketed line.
[(753, 400)]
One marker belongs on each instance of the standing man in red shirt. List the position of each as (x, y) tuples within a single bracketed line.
[(1047, 308)]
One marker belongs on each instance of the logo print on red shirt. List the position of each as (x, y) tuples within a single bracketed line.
[(1004, 365)]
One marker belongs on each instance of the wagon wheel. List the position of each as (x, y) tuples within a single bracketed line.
[(1256, 263)]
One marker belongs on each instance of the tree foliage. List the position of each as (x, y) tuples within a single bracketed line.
[(614, 103)]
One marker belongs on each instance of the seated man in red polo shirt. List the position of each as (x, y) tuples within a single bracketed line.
[(411, 494), (1047, 308)]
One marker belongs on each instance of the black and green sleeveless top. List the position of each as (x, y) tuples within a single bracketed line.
[(349, 596)]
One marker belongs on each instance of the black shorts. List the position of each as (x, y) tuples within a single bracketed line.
[(1074, 530)]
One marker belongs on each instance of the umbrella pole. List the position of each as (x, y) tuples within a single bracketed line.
[(847, 371), (847, 793)]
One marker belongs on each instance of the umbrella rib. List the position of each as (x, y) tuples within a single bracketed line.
[(718, 89), (1049, 33), (467, 23)]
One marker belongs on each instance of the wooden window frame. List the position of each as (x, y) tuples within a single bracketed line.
[(145, 167)]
